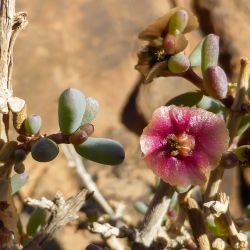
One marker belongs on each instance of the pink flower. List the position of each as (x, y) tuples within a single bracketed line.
[(182, 145)]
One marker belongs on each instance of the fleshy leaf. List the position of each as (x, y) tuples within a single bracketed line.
[(212, 105), (141, 207), (101, 150), (37, 219), (71, 108), (159, 26), (195, 56), (178, 21), (92, 108), (18, 181), (210, 52), (44, 150), (178, 63), (244, 124), (189, 99), (33, 124), (215, 82)]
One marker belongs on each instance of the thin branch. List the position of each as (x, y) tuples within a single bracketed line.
[(199, 229), (155, 214), (62, 212), (75, 161)]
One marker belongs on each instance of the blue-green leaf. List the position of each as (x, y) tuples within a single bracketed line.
[(18, 181), (188, 99), (101, 150), (36, 220)]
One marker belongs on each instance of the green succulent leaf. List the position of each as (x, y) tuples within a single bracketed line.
[(92, 108), (244, 124), (33, 124), (212, 105), (210, 52), (178, 63), (243, 154), (178, 21), (195, 56), (188, 99), (37, 219), (71, 107), (141, 207), (18, 181), (101, 150)]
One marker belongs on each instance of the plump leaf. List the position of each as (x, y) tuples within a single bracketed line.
[(18, 181), (189, 99), (244, 124), (178, 63), (210, 52), (44, 150), (215, 82), (195, 56), (141, 207), (178, 21), (101, 150), (71, 108), (212, 105), (33, 124), (92, 108), (36, 220)]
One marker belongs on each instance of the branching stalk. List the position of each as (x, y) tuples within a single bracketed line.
[(155, 214)]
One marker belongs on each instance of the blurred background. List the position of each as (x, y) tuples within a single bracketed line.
[(92, 45)]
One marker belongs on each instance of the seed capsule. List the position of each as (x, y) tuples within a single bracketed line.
[(71, 108), (44, 150)]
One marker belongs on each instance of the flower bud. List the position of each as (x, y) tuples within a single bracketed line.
[(178, 63), (229, 160), (210, 52), (33, 124), (178, 21), (169, 44), (44, 150), (101, 150), (71, 108), (215, 82)]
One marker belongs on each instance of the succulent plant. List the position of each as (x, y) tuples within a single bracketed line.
[(92, 108), (71, 108), (215, 82), (178, 63), (32, 124), (44, 150), (101, 150)]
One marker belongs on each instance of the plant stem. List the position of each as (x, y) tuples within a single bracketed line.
[(10, 25), (197, 224), (155, 214), (232, 125)]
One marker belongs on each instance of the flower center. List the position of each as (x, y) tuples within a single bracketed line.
[(182, 144)]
